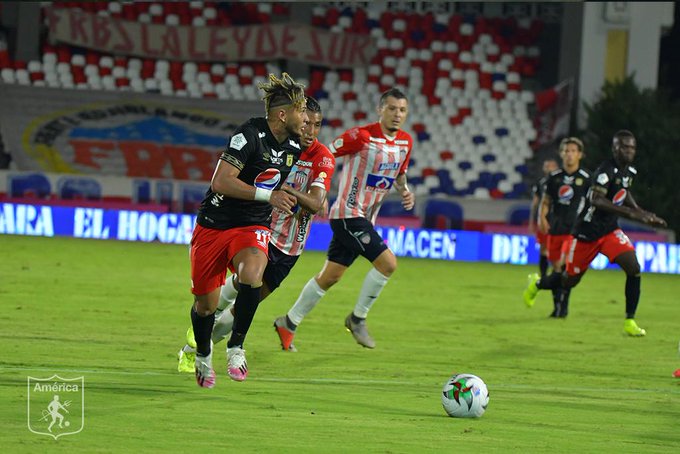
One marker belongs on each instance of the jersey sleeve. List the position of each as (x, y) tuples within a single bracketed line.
[(241, 145), (550, 188), (601, 179), (322, 169), (407, 159), (350, 142)]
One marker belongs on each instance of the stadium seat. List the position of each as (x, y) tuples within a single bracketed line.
[(442, 215)]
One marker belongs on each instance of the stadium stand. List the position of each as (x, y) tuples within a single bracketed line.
[(463, 75)]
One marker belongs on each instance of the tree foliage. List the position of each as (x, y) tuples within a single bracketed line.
[(655, 121)]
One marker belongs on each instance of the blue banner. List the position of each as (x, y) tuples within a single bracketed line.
[(147, 226)]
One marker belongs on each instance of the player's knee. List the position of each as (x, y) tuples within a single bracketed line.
[(328, 280), (633, 269), (388, 267)]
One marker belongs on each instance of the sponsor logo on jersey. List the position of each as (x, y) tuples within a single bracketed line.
[(401, 142), (378, 182), (276, 157), (301, 163), (268, 179), (389, 166), (377, 139), (619, 197), (261, 135), (238, 141), (352, 197), (326, 161), (602, 179), (565, 193), (337, 144)]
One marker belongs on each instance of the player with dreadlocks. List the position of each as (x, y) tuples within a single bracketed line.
[(232, 226)]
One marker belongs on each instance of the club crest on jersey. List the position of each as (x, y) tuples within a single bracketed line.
[(378, 182), (300, 178), (565, 193), (289, 160), (268, 179), (619, 197)]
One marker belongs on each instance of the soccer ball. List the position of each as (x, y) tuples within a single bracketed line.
[(465, 396)]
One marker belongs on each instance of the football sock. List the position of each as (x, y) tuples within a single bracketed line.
[(289, 324), (553, 281), (632, 295), (309, 296), (202, 331), (228, 294), (543, 265), (564, 301), (370, 290), (224, 322), (246, 304)]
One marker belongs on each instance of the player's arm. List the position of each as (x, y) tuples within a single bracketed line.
[(532, 213), (312, 202), (408, 199), (655, 220), (225, 181), (543, 210), (599, 200)]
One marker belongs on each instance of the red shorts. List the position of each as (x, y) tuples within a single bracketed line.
[(581, 253), (212, 251), (558, 247), (541, 238)]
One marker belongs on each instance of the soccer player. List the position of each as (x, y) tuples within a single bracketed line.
[(597, 231), (375, 158), (549, 165), (309, 181), (232, 226), (564, 195)]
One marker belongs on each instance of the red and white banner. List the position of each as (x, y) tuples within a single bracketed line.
[(243, 43), (553, 113)]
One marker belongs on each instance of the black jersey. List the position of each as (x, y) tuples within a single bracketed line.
[(263, 162), (537, 190), (614, 182), (567, 194)]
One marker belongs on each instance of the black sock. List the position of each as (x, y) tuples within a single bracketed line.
[(632, 295), (289, 323), (552, 282), (244, 310), (202, 331), (543, 265), (356, 319), (564, 302)]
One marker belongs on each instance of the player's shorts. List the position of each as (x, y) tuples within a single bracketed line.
[(212, 251), (581, 253), (541, 238), (558, 247), (353, 237), (278, 268)]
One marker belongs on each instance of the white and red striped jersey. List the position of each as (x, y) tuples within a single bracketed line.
[(371, 163), (314, 168)]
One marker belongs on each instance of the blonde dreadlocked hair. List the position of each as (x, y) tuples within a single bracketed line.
[(281, 92)]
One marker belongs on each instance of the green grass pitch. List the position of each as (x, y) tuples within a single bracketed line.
[(116, 313)]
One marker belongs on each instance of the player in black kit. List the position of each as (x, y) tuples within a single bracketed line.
[(563, 197), (549, 165), (233, 220), (597, 229)]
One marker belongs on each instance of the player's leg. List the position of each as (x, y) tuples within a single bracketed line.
[(373, 248), (618, 249), (551, 282), (250, 262), (309, 297), (208, 270)]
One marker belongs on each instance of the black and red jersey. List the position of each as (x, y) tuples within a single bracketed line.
[(614, 182), (263, 162)]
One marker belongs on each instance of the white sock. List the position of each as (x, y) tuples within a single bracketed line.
[(310, 295), (228, 294), (224, 322), (373, 284)]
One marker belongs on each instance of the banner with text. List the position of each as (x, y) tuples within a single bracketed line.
[(227, 44), (448, 245), (122, 134)]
